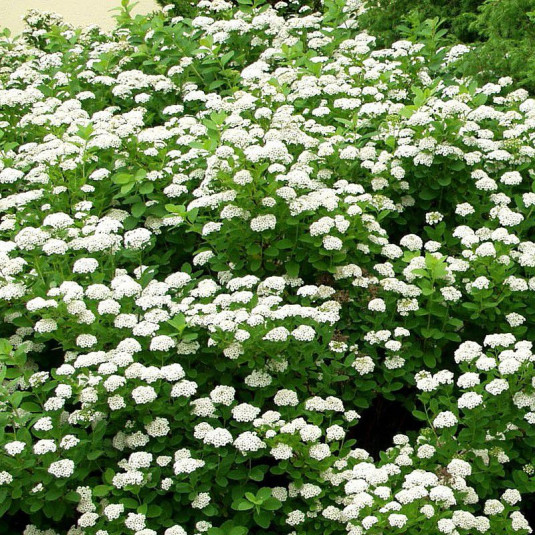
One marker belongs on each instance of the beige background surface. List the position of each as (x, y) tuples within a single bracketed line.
[(78, 12)]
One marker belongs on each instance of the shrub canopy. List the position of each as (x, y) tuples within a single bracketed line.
[(223, 239)]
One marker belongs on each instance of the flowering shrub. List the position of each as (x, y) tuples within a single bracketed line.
[(222, 240)]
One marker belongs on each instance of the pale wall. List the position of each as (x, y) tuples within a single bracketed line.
[(78, 12)]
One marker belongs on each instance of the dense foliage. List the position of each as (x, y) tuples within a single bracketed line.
[(384, 18), (501, 33), (223, 240)]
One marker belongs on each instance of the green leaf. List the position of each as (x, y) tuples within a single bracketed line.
[(429, 360), (262, 519), (457, 165), (272, 252), (17, 397), (427, 333), (454, 337), (178, 210), (108, 475), (272, 504), (36, 506), (419, 414), (140, 174), (4, 506), (127, 187), (123, 178), (225, 58), (407, 111), (292, 268), (238, 530), (254, 249), (264, 493), (178, 322), (192, 215), (257, 474), (5, 347), (72, 497), (427, 194), (85, 131), (53, 494), (154, 511), (243, 506), (286, 243), (470, 306), (139, 209), (480, 99), (101, 490), (146, 188)]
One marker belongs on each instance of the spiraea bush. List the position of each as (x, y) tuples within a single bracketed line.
[(188, 8), (223, 239)]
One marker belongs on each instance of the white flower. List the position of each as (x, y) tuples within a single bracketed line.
[(62, 468), (278, 334), (469, 400), (5, 478), (201, 500), (319, 451), (162, 343), (85, 265), (460, 468), (137, 238), (144, 394), (244, 412), (223, 394), (304, 333), (248, 442), (332, 243), (281, 451), (310, 433), (187, 465), (445, 525), (445, 419), (263, 222), (295, 518), (41, 447), (43, 424), (397, 520), (113, 511), (218, 437), (497, 386), (511, 178), (14, 448), (377, 305), (86, 340), (511, 496)]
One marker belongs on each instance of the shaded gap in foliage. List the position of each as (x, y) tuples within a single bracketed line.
[(15, 524), (380, 422), (53, 356), (527, 508)]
